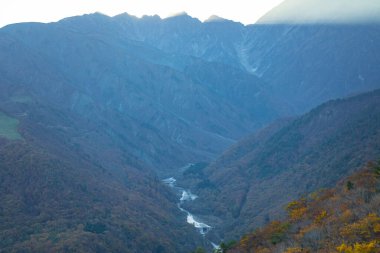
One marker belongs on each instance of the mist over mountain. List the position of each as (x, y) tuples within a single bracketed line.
[(95, 111), (314, 11)]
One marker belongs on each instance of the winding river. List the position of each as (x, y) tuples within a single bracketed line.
[(186, 195)]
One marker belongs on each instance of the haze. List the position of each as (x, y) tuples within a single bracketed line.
[(46, 11), (334, 11)]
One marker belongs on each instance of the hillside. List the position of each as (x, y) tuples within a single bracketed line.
[(303, 64), (52, 204), (177, 85), (308, 64), (250, 182), (343, 219), (151, 104), (95, 111)]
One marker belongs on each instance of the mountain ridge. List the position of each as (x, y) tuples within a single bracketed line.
[(111, 105), (295, 156), (341, 219)]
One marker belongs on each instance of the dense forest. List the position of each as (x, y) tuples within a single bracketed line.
[(344, 219), (159, 135)]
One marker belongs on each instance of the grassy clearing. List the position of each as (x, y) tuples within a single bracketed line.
[(8, 127)]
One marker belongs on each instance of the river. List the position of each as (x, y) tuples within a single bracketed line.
[(186, 196)]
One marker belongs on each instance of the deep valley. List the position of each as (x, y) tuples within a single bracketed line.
[(127, 134)]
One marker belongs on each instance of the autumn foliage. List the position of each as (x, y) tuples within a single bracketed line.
[(340, 220)]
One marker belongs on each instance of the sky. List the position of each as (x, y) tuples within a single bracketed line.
[(245, 11), (325, 11)]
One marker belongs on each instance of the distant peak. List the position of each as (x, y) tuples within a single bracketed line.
[(91, 16), (218, 19), (179, 14), (125, 15), (152, 17), (215, 18), (182, 17), (96, 15)]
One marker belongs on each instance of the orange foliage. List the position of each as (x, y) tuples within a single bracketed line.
[(362, 229), (296, 250), (346, 216), (320, 217), (365, 247), (329, 221), (297, 209)]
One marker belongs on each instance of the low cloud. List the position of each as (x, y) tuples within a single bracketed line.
[(324, 11)]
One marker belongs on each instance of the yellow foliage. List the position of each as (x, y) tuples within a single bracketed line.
[(314, 195), (365, 247), (346, 216), (362, 228), (296, 250), (296, 209), (244, 241), (373, 218), (297, 214), (376, 228), (320, 217), (324, 221), (263, 250), (295, 205)]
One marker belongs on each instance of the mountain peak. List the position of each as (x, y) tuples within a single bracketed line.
[(151, 17), (180, 14), (125, 15), (96, 16), (215, 18)]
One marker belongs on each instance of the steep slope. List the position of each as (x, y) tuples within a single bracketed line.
[(250, 182), (52, 203), (89, 106), (343, 219), (152, 109), (310, 64), (213, 41), (303, 64), (312, 51), (110, 97), (167, 76), (73, 181)]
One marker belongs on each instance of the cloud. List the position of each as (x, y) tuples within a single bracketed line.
[(324, 11)]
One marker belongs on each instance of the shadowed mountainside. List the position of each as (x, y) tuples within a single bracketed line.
[(94, 109), (252, 180), (52, 203), (151, 109), (177, 85)]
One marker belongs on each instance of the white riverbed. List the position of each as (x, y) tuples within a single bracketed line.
[(186, 195)]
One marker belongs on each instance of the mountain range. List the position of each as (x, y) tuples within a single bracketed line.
[(95, 111), (193, 87)]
